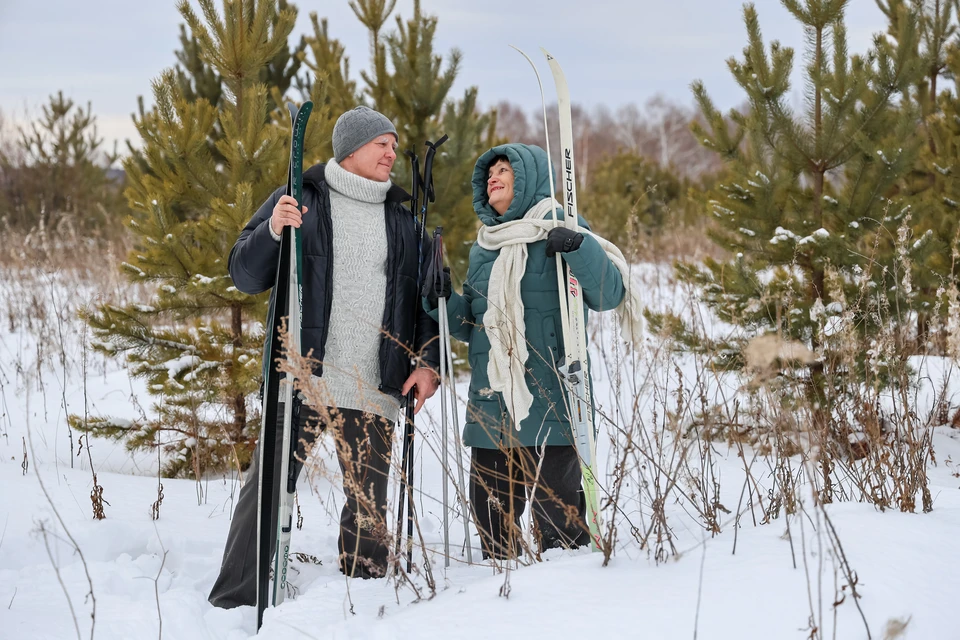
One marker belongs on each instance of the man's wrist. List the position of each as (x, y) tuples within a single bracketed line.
[(275, 236)]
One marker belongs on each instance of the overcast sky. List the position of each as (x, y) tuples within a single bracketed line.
[(614, 52)]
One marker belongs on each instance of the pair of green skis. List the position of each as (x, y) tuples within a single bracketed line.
[(277, 478)]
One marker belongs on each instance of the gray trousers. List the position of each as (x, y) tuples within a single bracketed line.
[(363, 442)]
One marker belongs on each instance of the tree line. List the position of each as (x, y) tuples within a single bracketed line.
[(835, 207)]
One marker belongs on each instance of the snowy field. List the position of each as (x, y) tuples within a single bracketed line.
[(147, 578)]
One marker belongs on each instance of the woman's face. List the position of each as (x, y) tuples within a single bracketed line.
[(500, 186)]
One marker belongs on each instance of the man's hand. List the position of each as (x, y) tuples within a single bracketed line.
[(286, 213), (426, 382)]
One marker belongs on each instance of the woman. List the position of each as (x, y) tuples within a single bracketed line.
[(509, 313)]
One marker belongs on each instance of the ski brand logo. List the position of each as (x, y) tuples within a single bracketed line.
[(283, 573), (574, 285), (568, 177)]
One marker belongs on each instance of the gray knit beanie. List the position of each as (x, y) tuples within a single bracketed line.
[(356, 128)]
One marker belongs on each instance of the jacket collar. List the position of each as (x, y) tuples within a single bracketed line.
[(315, 176)]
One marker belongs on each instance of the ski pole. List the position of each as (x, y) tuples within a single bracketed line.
[(408, 412), (444, 347), (429, 196), (426, 185), (447, 383)]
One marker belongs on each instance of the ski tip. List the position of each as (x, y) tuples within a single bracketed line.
[(304, 106), (532, 63), (547, 54), (521, 52)]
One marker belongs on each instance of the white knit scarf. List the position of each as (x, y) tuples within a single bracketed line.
[(503, 320)]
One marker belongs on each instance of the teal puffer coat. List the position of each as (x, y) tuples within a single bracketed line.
[(488, 422)]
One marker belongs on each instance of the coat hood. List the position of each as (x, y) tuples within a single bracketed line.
[(531, 182)]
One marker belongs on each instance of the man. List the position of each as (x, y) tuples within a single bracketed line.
[(360, 298)]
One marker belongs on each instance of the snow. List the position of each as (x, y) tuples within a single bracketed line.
[(781, 235), (922, 239), (720, 209), (751, 581), (884, 158), (817, 310), (178, 365), (819, 234), (136, 269)]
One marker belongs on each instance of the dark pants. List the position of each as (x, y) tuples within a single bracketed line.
[(501, 480), (363, 442)]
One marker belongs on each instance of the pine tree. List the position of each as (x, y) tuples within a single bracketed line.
[(59, 173), (329, 61), (809, 189), (373, 14), (203, 171), (934, 20), (282, 70), (410, 84), (928, 188), (199, 79), (626, 189), (195, 77), (471, 133)]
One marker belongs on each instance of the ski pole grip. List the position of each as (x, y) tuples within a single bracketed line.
[(416, 185), (428, 168)]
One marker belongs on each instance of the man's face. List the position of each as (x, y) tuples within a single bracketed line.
[(373, 160)]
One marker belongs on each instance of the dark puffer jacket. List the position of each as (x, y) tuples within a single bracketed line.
[(253, 267)]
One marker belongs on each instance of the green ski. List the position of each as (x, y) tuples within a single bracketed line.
[(277, 475)]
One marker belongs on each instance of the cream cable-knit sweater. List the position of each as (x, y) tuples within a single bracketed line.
[(351, 365)]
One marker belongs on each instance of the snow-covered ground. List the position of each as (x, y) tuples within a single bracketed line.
[(150, 578)]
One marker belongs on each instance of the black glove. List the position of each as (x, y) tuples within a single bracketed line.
[(435, 285), (562, 240)]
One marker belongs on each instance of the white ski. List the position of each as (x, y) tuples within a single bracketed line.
[(574, 368)]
